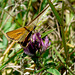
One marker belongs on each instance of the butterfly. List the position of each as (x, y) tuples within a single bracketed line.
[(22, 35)]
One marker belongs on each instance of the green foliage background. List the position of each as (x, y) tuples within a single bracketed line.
[(58, 59)]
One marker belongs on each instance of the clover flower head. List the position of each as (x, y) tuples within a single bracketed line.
[(36, 43)]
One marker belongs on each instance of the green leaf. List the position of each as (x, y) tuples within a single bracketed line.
[(46, 33), (1, 45), (38, 71), (34, 0), (61, 24), (48, 74), (43, 4), (46, 53), (58, 54), (55, 1), (13, 26), (8, 24), (5, 42), (53, 71), (55, 12)]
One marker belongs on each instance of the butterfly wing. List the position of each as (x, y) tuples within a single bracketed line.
[(19, 34), (41, 17)]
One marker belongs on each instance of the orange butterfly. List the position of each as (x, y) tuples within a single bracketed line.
[(22, 35)]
